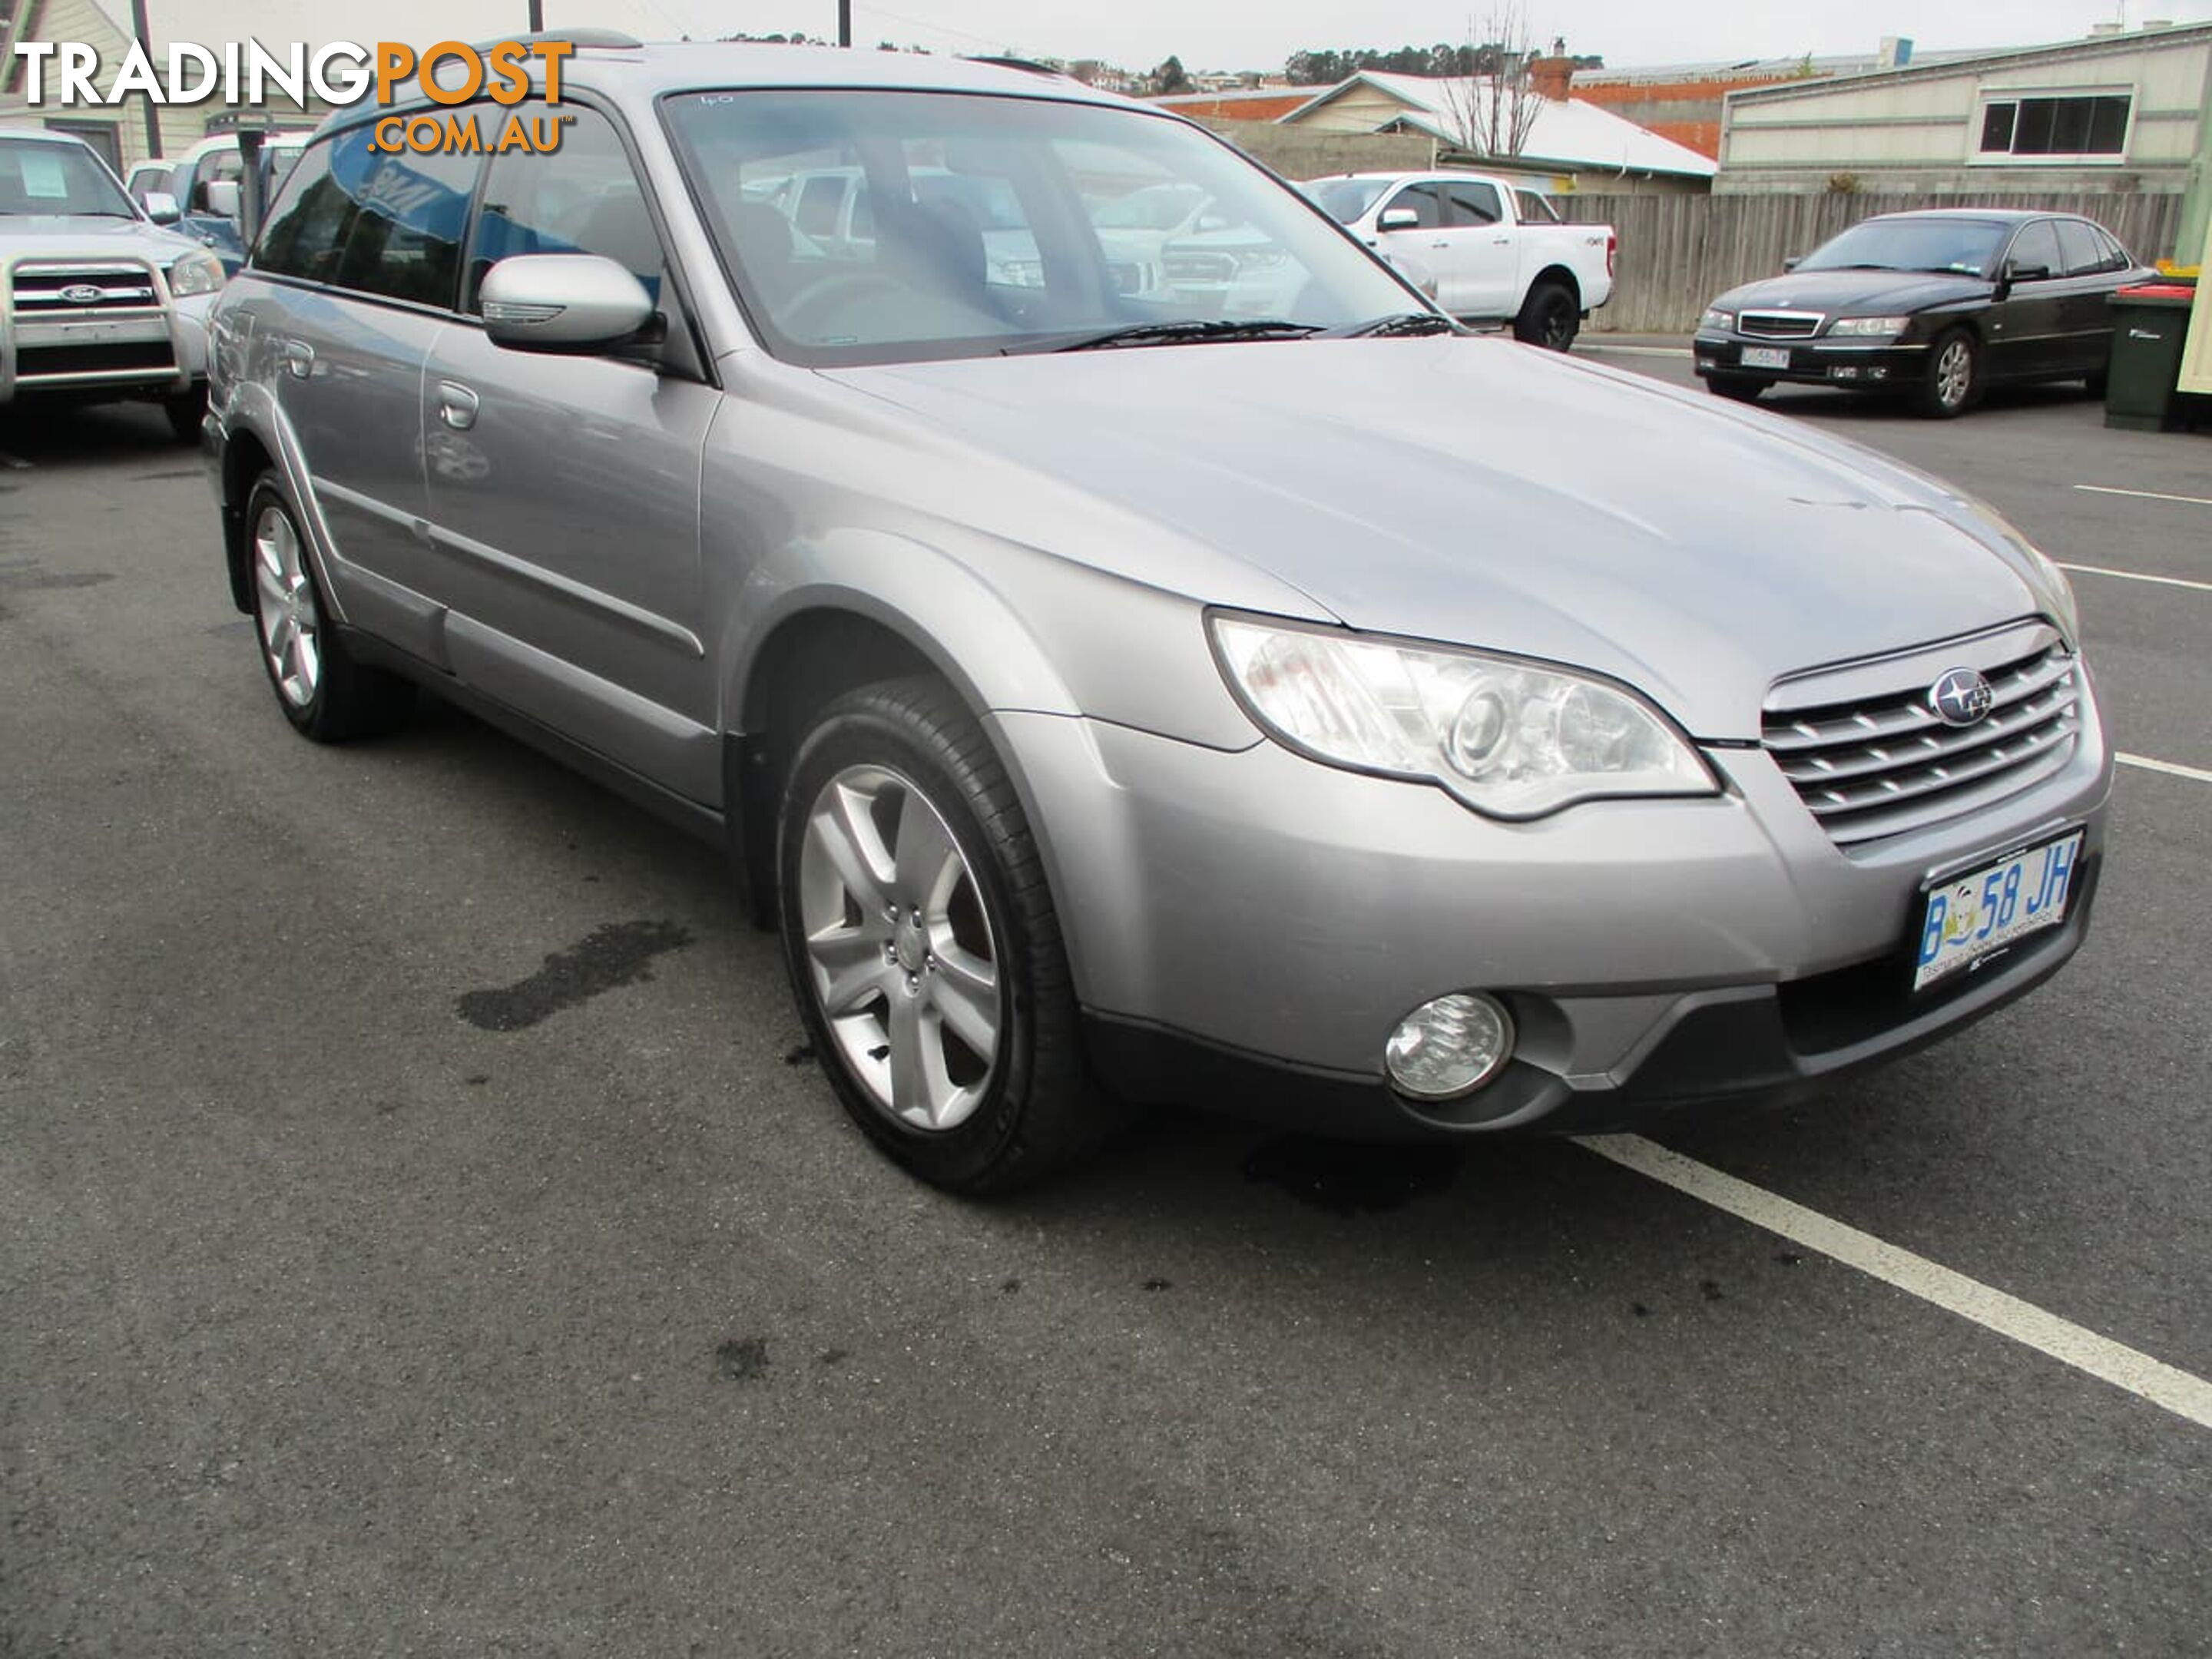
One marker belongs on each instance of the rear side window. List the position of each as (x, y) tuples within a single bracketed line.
[(1475, 205), (388, 225), (308, 223)]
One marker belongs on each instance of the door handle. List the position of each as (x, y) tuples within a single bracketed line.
[(298, 359), (1501, 241), (456, 405), (1440, 244)]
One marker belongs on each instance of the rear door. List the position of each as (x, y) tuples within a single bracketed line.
[(564, 489), (1485, 249), (2094, 266), (365, 247)]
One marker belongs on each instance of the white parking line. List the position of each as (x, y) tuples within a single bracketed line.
[(2136, 576), (2178, 1391), (2172, 768), (2146, 494)]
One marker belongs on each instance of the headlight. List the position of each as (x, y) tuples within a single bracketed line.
[(196, 273), (1511, 739), (1716, 322), (1883, 327)]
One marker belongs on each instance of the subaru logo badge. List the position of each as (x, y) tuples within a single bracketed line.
[(83, 293), (1961, 697)]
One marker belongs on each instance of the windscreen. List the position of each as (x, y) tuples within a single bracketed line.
[(1964, 247), (37, 177), (879, 226)]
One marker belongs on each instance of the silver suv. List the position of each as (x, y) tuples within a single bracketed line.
[(1114, 698), (97, 301)]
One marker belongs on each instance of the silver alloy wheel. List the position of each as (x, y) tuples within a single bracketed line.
[(903, 964), (291, 626), (1954, 373)]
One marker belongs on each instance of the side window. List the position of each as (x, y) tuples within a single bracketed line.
[(1536, 209), (410, 214), (2079, 248), (2037, 246), (223, 166), (583, 199), (1474, 203), (1425, 200), (308, 223), (2116, 257), (819, 199)]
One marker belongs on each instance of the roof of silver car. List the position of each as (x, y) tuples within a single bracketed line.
[(629, 71)]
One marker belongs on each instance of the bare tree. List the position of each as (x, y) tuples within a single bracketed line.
[(1492, 112)]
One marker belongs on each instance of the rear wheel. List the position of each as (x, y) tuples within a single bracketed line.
[(1741, 388), (924, 947), (1550, 317), (325, 694), (1952, 382)]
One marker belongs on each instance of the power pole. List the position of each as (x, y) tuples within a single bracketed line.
[(145, 44), (844, 22), (537, 17)]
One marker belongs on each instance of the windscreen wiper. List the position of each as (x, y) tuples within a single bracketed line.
[(1398, 322), (1180, 333)]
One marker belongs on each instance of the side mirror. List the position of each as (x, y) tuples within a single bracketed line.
[(162, 208), (2016, 272), (222, 197), (1398, 219), (575, 302), (1793, 262)]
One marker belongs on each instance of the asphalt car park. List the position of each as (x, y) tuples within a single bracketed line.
[(426, 1231)]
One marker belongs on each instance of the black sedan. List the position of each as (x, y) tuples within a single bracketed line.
[(1936, 305)]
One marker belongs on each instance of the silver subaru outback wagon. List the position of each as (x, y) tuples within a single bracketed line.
[(1122, 677)]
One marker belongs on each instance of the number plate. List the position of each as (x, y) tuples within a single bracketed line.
[(1973, 917), (1766, 357)]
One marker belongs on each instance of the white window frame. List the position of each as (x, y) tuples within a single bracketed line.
[(1975, 157)]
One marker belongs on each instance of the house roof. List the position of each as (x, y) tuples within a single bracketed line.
[(1568, 133), (2095, 45)]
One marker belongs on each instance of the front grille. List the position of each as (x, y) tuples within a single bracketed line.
[(1781, 325), (1198, 268), (83, 290), (1887, 765)]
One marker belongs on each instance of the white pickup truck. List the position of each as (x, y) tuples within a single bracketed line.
[(1497, 250)]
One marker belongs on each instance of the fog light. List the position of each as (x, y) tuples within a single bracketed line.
[(1450, 1047)]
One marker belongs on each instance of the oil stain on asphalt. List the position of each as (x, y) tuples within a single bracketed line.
[(611, 956), (744, 1358)]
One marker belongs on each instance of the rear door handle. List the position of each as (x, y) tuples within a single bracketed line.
[(298, 359), (456, 405), (1440, 244)]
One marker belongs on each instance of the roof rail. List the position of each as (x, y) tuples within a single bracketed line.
[(1021, 64), (603, 40)]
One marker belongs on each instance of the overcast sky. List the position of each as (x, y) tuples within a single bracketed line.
[(1140, 32), (1240, 34)]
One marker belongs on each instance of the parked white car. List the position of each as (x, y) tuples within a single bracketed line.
[(1498, 251)]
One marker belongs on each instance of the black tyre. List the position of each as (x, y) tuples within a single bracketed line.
[(322, 690), (923, 945), (186, 412), (1952, 383), (1741, 388), (1550, 317)]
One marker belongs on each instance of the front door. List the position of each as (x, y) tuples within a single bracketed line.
[(1426, 244), (564, 489), (2027, 326)]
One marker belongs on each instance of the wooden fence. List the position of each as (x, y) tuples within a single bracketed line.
[(1677, 251)]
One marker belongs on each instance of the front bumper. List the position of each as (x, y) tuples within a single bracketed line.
[(1246, 928), (1863, 364)]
